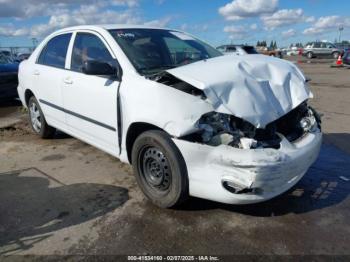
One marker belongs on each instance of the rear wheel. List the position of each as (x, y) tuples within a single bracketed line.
[(310, 55), (160, 169), (37, 120)]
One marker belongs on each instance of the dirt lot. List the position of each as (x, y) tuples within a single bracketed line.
[(62, 196)]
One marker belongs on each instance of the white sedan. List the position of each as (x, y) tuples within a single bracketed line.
[(192, 122)]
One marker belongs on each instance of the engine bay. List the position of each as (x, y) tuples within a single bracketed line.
[(216, 129)]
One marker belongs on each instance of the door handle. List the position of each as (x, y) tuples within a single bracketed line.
[(36, 72), (68, 81)]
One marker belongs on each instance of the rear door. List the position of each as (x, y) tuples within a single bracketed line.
[(91, 101), (47, 76), (316, 49)]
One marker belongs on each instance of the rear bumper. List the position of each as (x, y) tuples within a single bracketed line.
[(267, 172)]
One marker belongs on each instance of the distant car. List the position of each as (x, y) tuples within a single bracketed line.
[(5, 53), (23, 56), (344, 47), (322, 49), (346, 58), (270, 52), (237, 49), (8, 78)]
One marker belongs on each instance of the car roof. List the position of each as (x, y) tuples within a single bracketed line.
[(109, 27), (235, 46)]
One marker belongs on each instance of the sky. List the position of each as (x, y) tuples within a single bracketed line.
[(215, 21)]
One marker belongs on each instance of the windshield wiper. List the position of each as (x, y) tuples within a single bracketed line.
[(162, 67), (156, 69)]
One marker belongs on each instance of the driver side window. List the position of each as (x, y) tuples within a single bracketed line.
[(89, 47)]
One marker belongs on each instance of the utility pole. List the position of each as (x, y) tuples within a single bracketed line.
[(34, 41), (341, 28)]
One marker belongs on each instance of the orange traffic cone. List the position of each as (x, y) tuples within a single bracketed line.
[(339, 61)]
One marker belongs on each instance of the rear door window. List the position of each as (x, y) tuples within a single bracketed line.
[(55, 52)]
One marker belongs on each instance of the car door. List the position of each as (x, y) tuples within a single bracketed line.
[(47, 78), (316, 49), (325, 50), (90, 101)]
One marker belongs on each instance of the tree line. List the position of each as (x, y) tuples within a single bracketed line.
[(273, 44)]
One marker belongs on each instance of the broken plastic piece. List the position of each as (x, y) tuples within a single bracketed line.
[(248, 143)]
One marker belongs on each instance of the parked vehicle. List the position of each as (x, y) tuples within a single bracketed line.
[(233, 129), (343, 47), (237, 49), (346, 58), (8, 78), (22, 56), (321, 49), (270, 52)]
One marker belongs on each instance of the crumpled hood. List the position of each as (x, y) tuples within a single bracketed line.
[(256, 88)]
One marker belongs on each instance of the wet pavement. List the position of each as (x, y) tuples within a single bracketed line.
[(62, 196)]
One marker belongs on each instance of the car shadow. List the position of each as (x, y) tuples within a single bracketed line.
[(325, 184), (10, 102), (33, 205)]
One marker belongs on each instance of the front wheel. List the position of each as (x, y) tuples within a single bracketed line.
[(37, 120), (160, 169), (310, 55)]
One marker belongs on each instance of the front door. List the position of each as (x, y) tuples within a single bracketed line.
[(90, 101)]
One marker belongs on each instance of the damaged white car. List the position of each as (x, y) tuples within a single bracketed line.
[(192, 122)]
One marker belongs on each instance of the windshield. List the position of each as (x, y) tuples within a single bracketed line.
[(155, 50)]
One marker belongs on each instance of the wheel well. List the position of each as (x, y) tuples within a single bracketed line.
[(136, 129), (28, 94)]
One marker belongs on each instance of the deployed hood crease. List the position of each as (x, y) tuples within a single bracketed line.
[(256, 88)]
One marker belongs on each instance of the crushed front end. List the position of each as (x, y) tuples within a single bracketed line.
[(231, 161)]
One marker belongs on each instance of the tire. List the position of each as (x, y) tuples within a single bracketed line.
[(160, 169), (335, 55), (273, 55), (310, 55), (37, 120)]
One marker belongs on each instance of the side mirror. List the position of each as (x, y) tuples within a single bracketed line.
[(93, 67)]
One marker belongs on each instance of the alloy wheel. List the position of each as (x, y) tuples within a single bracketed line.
[(35, 117)]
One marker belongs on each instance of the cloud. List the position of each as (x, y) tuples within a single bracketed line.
[(239, 32), (283, 17), (327, 23), (31, 8), (310, 19), (194, 27), (239, 9), (84, 14), (159, 22), (253, 26), (289, 33), (11, 31)]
